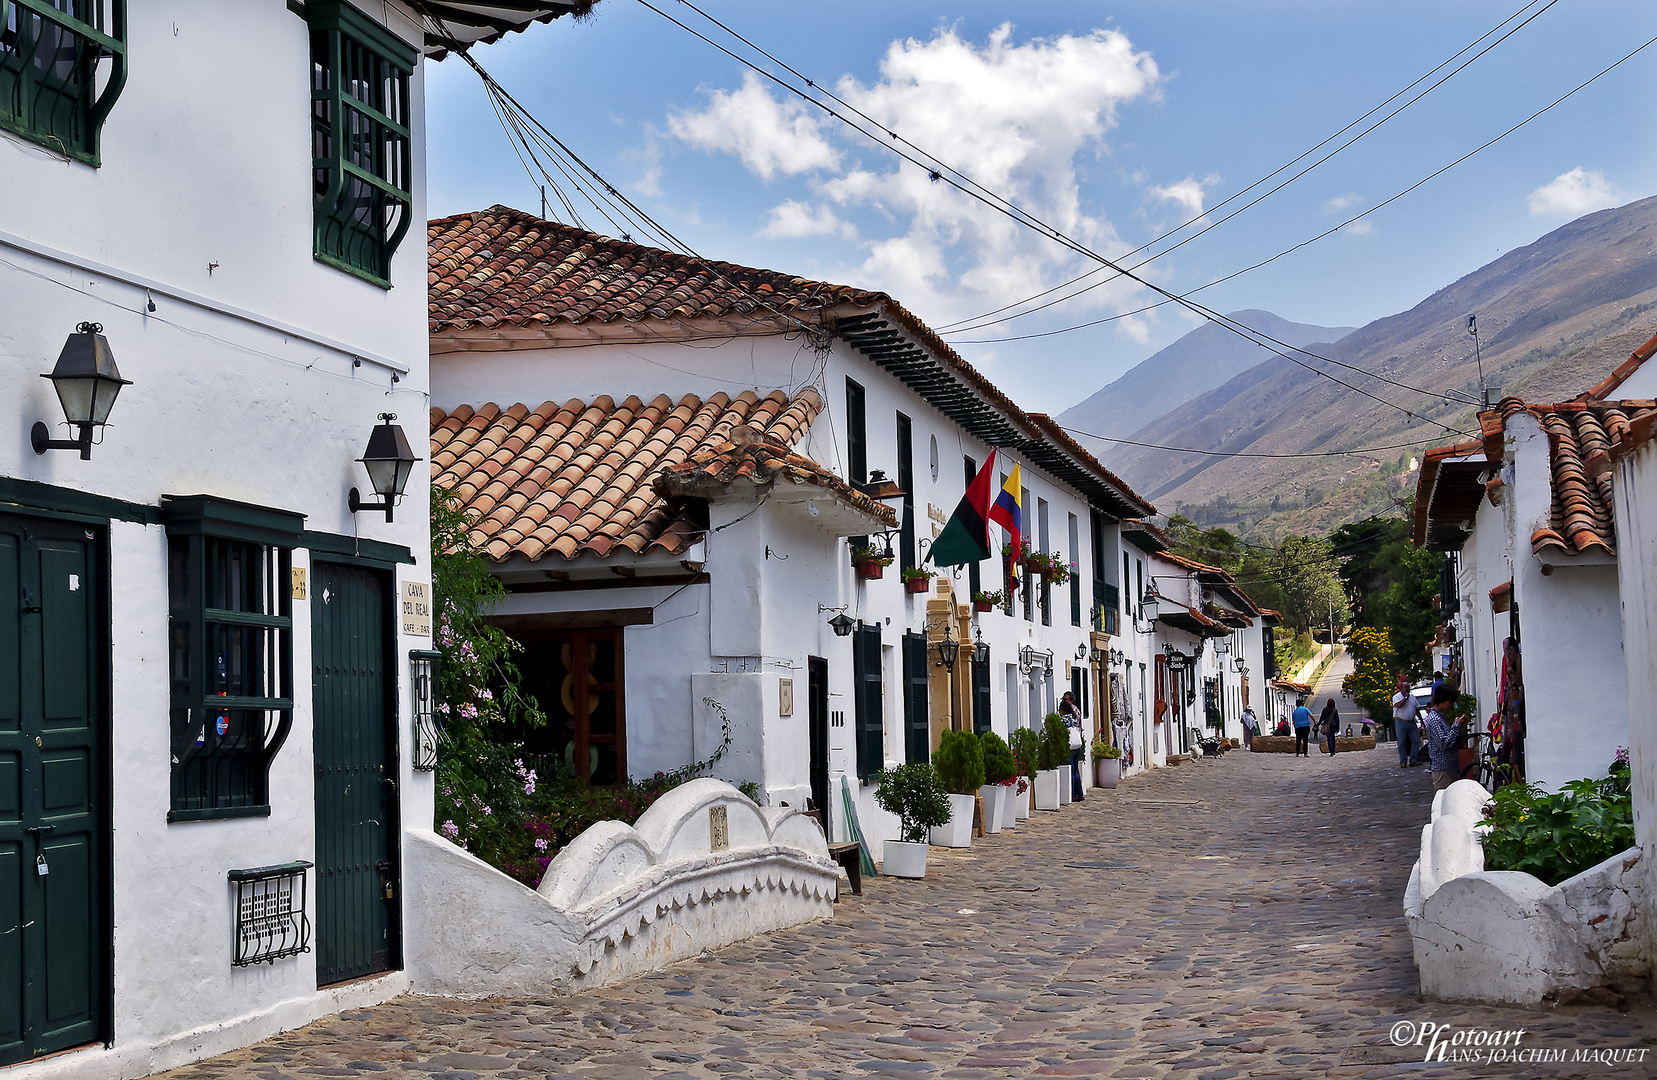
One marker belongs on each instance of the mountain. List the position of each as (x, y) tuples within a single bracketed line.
[(1199, 361), (1551, 318)]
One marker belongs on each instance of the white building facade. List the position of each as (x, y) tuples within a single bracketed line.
[(757, 413), (204, 674)]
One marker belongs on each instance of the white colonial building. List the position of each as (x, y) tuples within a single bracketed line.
[(670, 463), (205, 765)]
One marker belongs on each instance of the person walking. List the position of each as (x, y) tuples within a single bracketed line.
[(1404, 716), (1330, 724), (1442, 736), (1072, 717), (1250, 727), (1302, 718)]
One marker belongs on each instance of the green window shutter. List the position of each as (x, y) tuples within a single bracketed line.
[(871, 729), (361, 157), (917, 724), (857, 436), (906, 481), (981, 717), (52, 53)]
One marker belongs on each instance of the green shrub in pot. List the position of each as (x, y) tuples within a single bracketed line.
[(998, 758)]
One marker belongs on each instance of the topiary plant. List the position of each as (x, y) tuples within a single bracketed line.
[(1026, 746), (999, 766), (1055, 743), (915, 794), (960, 762)]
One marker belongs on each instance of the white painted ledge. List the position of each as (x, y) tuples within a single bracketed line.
[(618, 900), (1502, 937)]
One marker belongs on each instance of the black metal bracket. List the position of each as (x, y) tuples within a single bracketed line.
[(357, 505), (40, 437)]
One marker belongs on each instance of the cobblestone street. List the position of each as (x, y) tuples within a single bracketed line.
[(1248, 923)]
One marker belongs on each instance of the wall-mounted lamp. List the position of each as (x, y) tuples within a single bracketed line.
[(423, 684), (87, 381), (841, 624), (1081, 652), (1149, 606), (388, 462), (980, 651), (1117, 656), (881, 489), (949, 650)]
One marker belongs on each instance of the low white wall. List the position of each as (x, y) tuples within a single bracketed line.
[(1502, 937), (618, 900)]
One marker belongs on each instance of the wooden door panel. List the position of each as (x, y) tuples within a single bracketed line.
[(66, 690)]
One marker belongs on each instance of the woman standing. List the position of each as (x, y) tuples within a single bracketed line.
[(1072, 717), (1331, 721)]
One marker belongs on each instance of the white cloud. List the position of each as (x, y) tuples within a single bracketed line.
[(1573, 194), (792, 219), (1187, 194), (1361, 227), (770, 136), (1015, 117), (1342, 202)]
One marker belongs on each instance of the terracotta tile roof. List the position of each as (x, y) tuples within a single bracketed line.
[(1608, 386), (1583, 437), (503, 267), (579, 477), (760, 460)]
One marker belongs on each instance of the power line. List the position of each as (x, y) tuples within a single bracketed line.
[(940, 172), (982, 321), (1240, 453)]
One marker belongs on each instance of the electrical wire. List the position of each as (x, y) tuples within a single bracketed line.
[(1240, 453), (983, 321)]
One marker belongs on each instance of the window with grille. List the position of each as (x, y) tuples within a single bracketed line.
[(360, 147), (230, 654), (62, 65)]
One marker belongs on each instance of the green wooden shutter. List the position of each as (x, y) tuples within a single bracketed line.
[(981, 716), (906, 481), (871, 729), (917, 724)]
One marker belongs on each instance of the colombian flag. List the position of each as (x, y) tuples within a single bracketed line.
[(966, 537), (1008, 512)]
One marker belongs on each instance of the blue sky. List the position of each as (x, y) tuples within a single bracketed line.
[(1115, 122)]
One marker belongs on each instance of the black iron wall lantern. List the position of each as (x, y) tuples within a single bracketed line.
[(841, 624), (949, 650), (423, 682), (87, 382), (980, 651), (388, 461)]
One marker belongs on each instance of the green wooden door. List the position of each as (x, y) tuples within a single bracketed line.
[(357, 929), (54, 927)]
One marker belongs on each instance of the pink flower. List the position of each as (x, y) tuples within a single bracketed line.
[(451, 830)]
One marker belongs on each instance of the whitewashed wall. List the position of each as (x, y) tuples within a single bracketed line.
[(1636, 517), (256, 379)]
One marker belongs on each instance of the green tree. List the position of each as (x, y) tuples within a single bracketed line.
[(1374, 674), (1311, 590), (1392, 583)]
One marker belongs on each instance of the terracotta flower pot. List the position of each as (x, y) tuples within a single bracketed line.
[(870, 569), (917, 585), (981, 605)]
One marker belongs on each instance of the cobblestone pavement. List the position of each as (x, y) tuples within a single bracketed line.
[(1224, 919)]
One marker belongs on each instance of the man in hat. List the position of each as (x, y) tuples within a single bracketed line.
[(1404, 724)]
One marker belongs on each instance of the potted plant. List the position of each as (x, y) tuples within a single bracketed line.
[(1107, 763), (915, 794), (998, 778), (1051, 761), (1038, 562), (1058, 571), (870, 562), (1026, 746), (959, 762), (916, 580), (984, 601)]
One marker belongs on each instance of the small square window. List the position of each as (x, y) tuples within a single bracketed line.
[(63, 63), (361, 166)]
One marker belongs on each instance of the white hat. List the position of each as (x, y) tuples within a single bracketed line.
[(1398, 698)]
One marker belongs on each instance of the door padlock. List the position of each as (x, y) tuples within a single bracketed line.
[(40, 866), (389, 894)]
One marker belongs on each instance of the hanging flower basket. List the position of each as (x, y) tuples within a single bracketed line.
[(916, 580), (984, 601), (870, 569)]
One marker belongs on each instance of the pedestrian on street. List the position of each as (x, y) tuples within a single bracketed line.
[(1250, 726), (1303, 728), (1404, 716), (1072, 717), (1330, 722), (1442, 735)]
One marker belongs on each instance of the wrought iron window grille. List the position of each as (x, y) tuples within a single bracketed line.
[(63, 64), (423, 664), (270, 913)]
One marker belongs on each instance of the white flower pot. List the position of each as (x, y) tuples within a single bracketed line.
[(958, 833), (1047, 788), (1064, 784), (1108, 771), (1006, 795), (1022, 802), (903, 859), (991, 794)]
